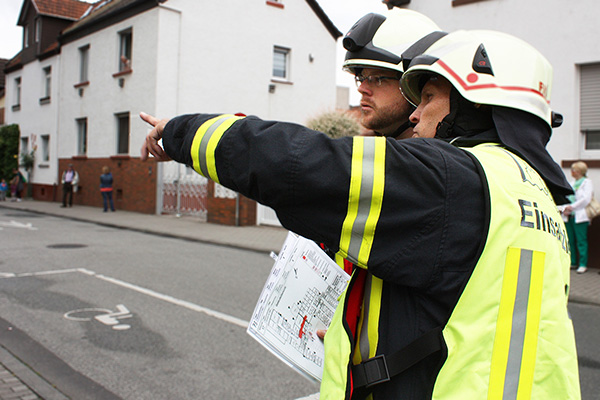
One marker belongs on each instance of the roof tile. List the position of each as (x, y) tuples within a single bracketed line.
[(70, 9)]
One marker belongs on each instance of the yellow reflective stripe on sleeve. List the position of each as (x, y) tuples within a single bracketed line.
[(205, 143), (353, 196), (374, 312), (367, 182), (515, 342)]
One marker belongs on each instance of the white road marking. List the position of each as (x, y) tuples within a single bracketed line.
[(15, 224), (178, 302)]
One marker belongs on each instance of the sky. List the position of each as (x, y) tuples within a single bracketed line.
[(343, 18)]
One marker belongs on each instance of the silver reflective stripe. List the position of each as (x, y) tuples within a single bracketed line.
[(519, 321), (364, 328), (364, 202), (204, 144)]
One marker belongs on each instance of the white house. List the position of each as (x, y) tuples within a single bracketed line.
[(274, 59), (32, 89)]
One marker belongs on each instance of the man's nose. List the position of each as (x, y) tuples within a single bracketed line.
[(415, 117), (363, 88)]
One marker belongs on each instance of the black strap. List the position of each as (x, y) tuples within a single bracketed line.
[(417, 48), (381, 369)]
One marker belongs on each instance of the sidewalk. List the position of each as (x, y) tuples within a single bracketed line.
[(17, 381)]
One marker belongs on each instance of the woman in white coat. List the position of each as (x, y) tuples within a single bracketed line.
[(576, 218)]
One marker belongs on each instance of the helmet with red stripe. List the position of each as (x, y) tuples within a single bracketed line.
[(486, 67)]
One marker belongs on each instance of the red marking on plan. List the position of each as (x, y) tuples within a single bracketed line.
[(302, 327)]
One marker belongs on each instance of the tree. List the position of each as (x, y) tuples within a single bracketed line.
[(335, 124), (9, 150)]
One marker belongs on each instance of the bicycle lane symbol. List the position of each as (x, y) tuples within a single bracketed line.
[(103, 315)]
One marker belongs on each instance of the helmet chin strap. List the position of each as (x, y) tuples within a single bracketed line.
[(444, 127), (398, 131)]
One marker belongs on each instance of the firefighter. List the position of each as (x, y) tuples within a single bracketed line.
[(374, 46), (463, 260)]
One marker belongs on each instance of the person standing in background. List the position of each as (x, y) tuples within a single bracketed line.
[(16, 185), (575, 216), (106, 182), (3, 190), (70, 179)]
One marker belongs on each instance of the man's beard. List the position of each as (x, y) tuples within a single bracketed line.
[(383, 118)]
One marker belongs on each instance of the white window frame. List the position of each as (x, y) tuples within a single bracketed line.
[(26, 36), (18, 84), (45, 148), (38, 30), (24, 145), (123, 133), (84, 61), (82, 135), (47, 82), (589, 105), (125, 49), (279, 51)]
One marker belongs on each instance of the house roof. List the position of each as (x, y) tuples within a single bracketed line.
[(65, 9), (105, 8), (14, 63), (101, 9), (324, 18)]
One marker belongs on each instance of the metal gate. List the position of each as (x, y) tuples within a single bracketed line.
[(184, 192)]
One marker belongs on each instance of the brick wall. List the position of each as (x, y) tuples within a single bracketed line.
[(134, 189), (134, 182), (223, 211)]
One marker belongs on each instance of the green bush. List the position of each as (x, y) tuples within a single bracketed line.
[(335, 124), (9, 150)]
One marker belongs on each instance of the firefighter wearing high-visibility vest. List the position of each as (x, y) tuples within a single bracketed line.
[(464, 267), (374, 45)]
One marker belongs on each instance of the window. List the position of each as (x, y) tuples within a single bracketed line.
[(83, 63), (81, 136), (590, 105), (26, 36), (38, 30), (123, 133), (17, 104), (281, 62), (24, 145), (125, 50), (46, 85), (45, 148)]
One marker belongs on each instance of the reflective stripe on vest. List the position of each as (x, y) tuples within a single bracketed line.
[(367, 182), (515, 343), (509, 336), (205, 143)]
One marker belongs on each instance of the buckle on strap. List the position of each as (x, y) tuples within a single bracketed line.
[(371, 372)]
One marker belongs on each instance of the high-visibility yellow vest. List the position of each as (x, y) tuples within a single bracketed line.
[(509, 336)]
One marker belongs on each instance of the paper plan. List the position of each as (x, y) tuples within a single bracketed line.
[(299, 297)]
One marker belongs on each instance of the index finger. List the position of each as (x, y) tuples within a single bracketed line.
[(149, 118)]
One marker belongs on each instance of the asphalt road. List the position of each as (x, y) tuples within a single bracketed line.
[(143, 316), (109, 313)]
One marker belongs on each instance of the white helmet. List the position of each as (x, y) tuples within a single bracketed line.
[(486, 67), (378, 41)]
